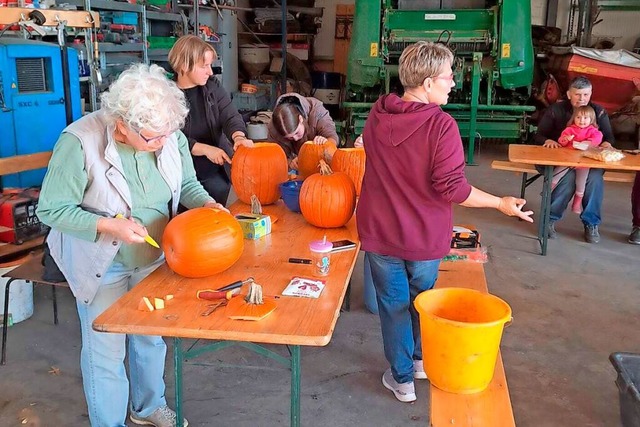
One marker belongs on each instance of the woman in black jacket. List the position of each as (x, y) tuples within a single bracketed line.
[(213, 127)]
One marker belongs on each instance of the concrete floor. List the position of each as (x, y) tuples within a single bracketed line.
[(571, 310)]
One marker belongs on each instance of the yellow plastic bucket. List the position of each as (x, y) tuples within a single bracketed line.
[(461, 331)]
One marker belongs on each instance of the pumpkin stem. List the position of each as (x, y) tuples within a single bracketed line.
[(255, 294), (256, 206), (325, 169)]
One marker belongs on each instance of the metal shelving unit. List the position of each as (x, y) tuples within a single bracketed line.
[(113, 54)]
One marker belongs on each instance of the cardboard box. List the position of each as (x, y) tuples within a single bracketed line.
[(254, 226)]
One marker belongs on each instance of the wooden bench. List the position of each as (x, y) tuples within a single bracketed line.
[(490, 408), (526, 170), (30, 269)]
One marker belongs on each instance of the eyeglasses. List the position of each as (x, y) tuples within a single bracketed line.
[(450, 77), (153, 139)]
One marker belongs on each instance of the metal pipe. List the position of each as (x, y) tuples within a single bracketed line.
[(283, 84), (517, 108), (357, 104)]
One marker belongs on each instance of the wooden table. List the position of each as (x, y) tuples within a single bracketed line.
[(568, 157), (294, 323)]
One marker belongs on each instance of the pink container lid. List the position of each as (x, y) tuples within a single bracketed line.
[(320, 246)]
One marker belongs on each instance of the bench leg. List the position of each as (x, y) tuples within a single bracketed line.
[(5, 321), (55, 305)]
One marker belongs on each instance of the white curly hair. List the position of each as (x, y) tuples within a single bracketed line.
[(145, 99)]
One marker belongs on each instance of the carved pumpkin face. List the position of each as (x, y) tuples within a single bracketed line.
[(202, 242)]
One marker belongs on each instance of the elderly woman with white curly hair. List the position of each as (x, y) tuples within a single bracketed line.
[(127, 158)]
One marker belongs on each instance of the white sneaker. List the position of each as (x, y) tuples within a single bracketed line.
[(418, 370), (161, 417), (405, 392)]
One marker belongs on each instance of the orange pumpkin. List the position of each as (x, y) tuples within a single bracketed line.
[(202, 242), (310, 154), (350, 161), (327, 199), (259, 170)]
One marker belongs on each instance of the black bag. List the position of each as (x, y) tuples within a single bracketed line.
[(51, 271)]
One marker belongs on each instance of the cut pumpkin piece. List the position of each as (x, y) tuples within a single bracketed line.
[(168, 297), (251, 307), (158, 303), (145, 305)]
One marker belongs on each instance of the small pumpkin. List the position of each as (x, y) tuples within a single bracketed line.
[(327, 199), (259, 170), (350, 161), (202, 242), (252, 307), (310, 154)]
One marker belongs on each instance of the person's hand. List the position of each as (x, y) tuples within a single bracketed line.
[(216, 205), (242, 141), (549, 143), (319, 140), (512, 206), (606, 144), (359, 142), (216, 155), (293, 163), (123, 229)]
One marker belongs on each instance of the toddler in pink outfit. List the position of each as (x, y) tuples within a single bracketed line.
[(581, 128)]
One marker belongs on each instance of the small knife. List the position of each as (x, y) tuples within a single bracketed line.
[(236, 284), (147, 238)]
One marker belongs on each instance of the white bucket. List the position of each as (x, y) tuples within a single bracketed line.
[(20, 296), (257, 131)]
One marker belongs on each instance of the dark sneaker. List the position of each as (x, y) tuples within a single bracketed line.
[(405, 392), (634, 237), (591, 234), (161, 417), (551, 230)]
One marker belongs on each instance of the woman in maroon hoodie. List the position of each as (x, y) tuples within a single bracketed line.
[(414, 174)]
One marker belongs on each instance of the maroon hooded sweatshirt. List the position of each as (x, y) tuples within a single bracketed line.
[(414, 173)]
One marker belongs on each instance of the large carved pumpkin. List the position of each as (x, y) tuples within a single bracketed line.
[(259, 170), (310, 154), (202, 242), (327, 199), (350, 161)]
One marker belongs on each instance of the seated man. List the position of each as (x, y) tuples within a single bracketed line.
[(553, 122)]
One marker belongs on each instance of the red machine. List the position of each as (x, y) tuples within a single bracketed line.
[(613, 85), (18, 220)]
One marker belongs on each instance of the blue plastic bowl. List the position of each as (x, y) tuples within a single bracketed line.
[(290, 192)]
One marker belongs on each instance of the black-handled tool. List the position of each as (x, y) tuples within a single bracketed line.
[(299, 261), (236, 284)]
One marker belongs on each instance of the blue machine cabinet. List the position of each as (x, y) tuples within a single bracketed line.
[(32, 104)]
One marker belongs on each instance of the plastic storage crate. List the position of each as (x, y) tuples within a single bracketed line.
[(628, 367), (156, 42)]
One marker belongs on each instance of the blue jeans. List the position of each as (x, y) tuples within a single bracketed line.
[(104, 378), (397, 284), (591, 203)]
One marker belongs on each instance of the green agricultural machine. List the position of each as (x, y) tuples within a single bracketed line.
[(493, 67)]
